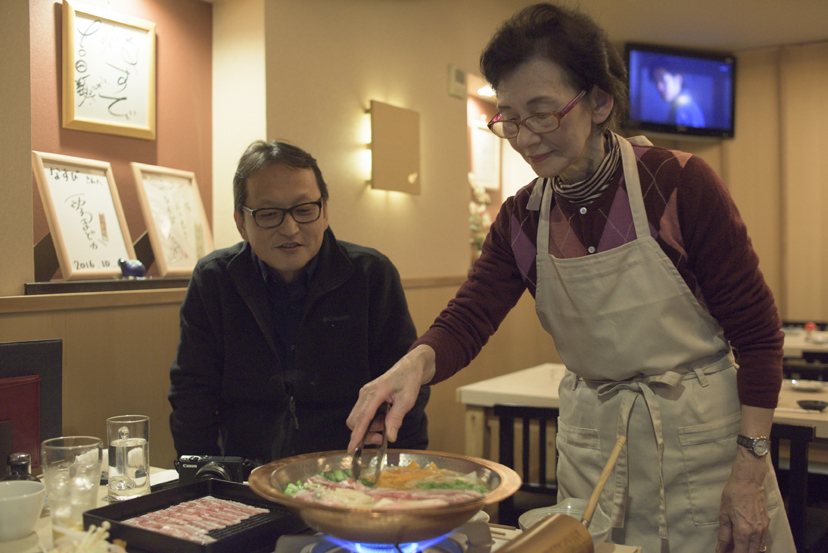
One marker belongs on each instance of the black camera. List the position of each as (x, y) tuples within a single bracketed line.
[(194, 468)]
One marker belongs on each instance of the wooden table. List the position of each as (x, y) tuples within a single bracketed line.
[(788, 412), (533, 387), (538, 387), (798, 340)]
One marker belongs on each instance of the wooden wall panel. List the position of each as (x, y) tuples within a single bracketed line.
[(117, 354), (804, 80), (115, 362)]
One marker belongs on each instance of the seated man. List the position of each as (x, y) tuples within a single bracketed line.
[(280, 331)]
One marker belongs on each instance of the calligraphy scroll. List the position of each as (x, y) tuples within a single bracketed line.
[(176, 221), (84, 214), (108, 72)]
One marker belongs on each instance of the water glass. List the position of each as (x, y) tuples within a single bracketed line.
[(72, 472), (128, 456)]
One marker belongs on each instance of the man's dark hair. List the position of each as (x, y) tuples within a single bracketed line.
[(260, 154)]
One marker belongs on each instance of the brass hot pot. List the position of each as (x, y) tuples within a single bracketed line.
[(390, 527)]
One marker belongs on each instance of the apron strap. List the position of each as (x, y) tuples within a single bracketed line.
[(632, 389), (546, 206), (639, 214), (639, 387)]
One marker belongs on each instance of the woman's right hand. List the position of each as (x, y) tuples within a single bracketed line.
[(399, 386)]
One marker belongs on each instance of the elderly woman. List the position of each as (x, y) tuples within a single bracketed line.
[(644, 275)]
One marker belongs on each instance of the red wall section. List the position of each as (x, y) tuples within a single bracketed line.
[(184, 101)]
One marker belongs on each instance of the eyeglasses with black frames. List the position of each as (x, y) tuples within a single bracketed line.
[(272, 217), (540, 123)]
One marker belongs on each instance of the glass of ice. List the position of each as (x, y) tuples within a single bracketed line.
[(128, 456), (72, 472)]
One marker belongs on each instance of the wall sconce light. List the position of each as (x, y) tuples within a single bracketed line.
[(395, 148)]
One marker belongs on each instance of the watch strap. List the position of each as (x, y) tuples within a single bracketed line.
[(758, 446)]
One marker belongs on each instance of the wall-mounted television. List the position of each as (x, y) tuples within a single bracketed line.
[(680, 91)]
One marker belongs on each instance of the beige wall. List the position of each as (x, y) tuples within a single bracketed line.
[(322, 71), (751, 162), (16, 263), (777, 172), (803, 85), (239, 100)]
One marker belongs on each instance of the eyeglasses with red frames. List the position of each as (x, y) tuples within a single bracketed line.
[(540, 123)]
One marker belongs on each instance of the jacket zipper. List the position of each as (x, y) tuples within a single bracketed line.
[(292, 409)]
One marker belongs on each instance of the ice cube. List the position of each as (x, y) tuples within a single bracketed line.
[(80, 490)]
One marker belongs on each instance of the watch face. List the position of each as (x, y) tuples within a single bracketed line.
[(758, 446), (761, 446)]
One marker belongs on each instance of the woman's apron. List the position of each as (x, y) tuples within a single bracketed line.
[(646, 361)]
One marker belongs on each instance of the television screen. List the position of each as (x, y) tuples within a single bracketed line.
[(681, 91)]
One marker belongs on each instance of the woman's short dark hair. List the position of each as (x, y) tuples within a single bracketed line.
[(567, 37), (260, 154)]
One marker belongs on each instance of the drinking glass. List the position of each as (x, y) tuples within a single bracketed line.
[(72, 472), (128, 456)]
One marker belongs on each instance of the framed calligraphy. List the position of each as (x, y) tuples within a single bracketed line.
[(108, 72), (177, 224), (85, 216)]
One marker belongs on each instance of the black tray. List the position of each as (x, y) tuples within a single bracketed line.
[(254, 535)]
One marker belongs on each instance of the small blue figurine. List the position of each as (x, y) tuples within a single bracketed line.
[(132, 268)]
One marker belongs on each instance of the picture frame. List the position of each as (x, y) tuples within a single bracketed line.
[(177, 224), (109, 72), (85, 215), (485, 156)]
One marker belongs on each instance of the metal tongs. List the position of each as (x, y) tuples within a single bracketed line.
[(356, 461)]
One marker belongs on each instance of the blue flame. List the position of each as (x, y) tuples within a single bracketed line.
[(414, 547)]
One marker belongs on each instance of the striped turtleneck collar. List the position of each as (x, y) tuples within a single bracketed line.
[(586, 191)]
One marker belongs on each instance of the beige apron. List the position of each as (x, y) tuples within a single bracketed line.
[(644, 360)]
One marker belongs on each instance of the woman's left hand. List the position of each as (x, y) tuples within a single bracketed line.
[(743, 516)]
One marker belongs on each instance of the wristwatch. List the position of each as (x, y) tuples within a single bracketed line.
[(759, 446)]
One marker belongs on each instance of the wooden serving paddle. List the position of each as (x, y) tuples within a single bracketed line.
[(596, 493), (560, 533), (557, 533)]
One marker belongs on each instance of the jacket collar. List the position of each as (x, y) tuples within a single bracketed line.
[(333, 268)]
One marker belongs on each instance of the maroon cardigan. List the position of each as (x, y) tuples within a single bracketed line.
[(697, 225)]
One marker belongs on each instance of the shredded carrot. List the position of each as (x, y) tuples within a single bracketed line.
[(406, 477)]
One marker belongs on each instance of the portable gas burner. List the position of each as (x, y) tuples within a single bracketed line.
[(472, 537)]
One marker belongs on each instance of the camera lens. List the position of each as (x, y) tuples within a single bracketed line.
[(213, 470)]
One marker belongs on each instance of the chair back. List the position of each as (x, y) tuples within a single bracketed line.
[(538, 453), (31, 378), (799, 438), (815, 356), (809, 367)]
